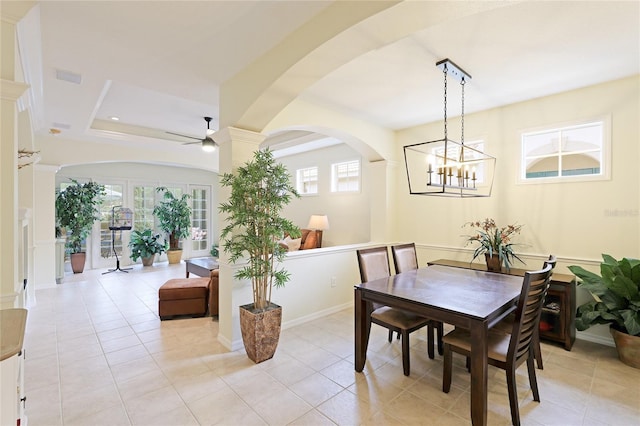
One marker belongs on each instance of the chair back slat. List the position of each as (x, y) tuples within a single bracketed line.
[(405, 257), (534, 290), (373, 263)]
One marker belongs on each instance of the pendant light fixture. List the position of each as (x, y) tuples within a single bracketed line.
[(445, 167)]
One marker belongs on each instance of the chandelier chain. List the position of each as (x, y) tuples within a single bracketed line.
[(445, 71), (462, 82)]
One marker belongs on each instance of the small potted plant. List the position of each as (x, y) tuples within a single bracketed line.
[(495, 243), (616, 301), (259, 191), (76, 210), (145, 244), (174, 215)]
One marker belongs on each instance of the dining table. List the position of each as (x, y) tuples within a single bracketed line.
[(470, 299)]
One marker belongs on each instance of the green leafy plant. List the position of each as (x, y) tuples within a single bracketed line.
[(494, 241), (259, 191), (616, 295), (145, 244), (77, 209), (174, 215)]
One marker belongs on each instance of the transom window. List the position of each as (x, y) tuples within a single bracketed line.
[(345, 177), (307, 181), (575, 151)]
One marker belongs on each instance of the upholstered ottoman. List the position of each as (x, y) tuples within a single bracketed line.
[(183, 296)]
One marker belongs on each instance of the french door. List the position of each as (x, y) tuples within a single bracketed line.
[(104, 244)]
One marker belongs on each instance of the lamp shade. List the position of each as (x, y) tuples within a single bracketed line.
[(318, 222)]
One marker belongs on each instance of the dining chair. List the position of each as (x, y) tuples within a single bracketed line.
[(507, 351), (374, 264), (405, 258), (506, 325)]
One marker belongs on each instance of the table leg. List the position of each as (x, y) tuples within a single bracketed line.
[(479, 367), (362, 329)]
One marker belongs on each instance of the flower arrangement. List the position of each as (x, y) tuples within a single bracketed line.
[(494, 241)]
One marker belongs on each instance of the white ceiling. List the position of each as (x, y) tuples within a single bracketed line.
[(158, 65)]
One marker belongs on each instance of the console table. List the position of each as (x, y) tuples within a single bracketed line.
[(557, 322)]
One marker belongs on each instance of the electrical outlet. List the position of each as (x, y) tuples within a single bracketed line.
[(333, 281)]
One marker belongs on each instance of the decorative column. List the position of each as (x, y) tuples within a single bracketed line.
[(236, 147), (44, 223), (10, 92), (383, 203)]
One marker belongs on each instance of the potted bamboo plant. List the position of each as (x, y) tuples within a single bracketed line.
[(259, 191), (174, 215), (616, 301), (146, 244), (76, 210)]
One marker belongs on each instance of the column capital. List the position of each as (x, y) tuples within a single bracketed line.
[(236, 146), (12, 90), (12, 12)]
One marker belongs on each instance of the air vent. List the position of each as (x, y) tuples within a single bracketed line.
[(61, 126), (69, 76)]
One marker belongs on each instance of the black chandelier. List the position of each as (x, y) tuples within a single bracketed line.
[(445, 167)]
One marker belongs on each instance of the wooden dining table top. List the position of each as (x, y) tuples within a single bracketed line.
[(468, 292)]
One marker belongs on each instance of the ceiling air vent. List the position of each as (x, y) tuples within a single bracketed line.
[(61, 126), (69, 76)]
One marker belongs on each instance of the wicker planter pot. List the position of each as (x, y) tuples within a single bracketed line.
[(628, 347), (174, 256), (77, 262), (260, 331)]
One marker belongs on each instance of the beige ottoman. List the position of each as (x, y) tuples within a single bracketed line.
[(183, 296)]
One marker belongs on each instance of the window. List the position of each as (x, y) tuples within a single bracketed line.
[(345, 177), (199, 218), (575, 151), (307, 181), (144, 200)]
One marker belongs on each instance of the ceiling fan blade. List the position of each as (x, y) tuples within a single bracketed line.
[(184, 136), (192, 143)]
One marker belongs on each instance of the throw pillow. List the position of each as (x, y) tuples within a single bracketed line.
[(293, 244), (312, 241)]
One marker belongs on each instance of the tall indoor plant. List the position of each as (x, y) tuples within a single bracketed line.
[(76, 210), (259, 191), (174, 215), (616, 301)]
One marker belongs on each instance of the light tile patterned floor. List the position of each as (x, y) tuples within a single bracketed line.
[(97, 354)]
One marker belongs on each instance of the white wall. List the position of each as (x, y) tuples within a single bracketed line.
[(322, 282), (572, 220), (348, 213)]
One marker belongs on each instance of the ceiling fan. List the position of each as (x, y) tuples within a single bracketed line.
[(208, 144)]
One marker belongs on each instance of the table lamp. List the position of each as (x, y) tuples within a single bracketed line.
[(318, 223)]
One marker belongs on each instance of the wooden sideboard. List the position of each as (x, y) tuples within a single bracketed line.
[(557, 322)]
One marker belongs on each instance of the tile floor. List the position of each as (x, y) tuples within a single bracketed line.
[(98, 355)]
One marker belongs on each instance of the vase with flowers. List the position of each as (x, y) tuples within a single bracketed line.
[(495, 243)]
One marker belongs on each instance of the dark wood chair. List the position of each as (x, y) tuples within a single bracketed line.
[(374, 264), (506, 325), (508, 351), (405, 258)]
